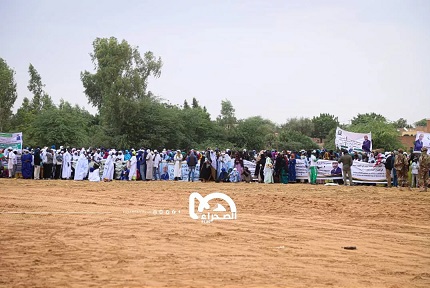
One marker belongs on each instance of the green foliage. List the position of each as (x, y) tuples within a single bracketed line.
[(295, 141), (66, 125), (186, 106), (422, 123), (25, 117), (195, 104), (302, 125), (8, 94), (41, 100), (227, 118), (251, 133), (401, 123), (323, 124), (118, 88), (330, 139), (368, 117)]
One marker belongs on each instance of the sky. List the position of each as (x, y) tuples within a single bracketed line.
[(277, 59)]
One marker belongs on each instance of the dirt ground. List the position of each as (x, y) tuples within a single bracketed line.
[(81, 234)]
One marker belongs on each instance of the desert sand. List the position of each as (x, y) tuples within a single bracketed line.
[(80, 234)]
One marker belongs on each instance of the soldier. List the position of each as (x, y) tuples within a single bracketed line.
[(423, 173), (400, 164)]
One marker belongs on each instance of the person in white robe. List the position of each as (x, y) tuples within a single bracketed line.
[(67, 165), (10, 161), (81, 169), (149, 165), (132, 175), (94, 175), (108, 169), (178, 165), (268, 170)]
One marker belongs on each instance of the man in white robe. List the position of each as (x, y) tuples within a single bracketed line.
[(178, 165), (108, 168), (132, 175), (81, 169), (67, 165)]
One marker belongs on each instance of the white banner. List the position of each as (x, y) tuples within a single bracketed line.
[(422, 140), (13, 140), (328, 169), (352, 141)]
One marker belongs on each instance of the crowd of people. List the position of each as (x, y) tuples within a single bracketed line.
[(271, 166)]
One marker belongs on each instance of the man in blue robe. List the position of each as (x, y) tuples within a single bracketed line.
[(27, 168)]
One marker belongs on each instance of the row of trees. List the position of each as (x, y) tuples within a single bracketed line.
[(129, 115)]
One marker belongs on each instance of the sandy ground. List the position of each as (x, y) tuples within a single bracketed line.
[(107, 235)]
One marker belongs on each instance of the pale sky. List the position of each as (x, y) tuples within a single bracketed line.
[(276, 59)]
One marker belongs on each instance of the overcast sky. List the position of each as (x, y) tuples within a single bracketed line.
[(276, 59)]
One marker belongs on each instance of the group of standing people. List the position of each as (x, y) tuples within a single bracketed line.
[(221, 166)]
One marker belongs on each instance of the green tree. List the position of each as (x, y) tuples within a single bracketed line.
[(252, 133), (368, 117), (227, 118), (65, 125), (295, 141), (41, 100), (186, 106), (118, 88), (401, 123), (421, 123), (8, 94), (24, 118), (302, 125), (195, 103), (323, 124), (197, 127)]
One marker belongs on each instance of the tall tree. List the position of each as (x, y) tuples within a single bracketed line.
[(323, 124), (227, 118), (41, 100), (8, 94), (31, 108), (118, 88)]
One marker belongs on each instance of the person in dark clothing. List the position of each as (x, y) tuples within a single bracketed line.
[(389, 163), (205, 169), (37, 162), (279, 164), (192, 162), (347, 162)]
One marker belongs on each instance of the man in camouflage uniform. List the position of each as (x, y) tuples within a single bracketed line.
[(423, 173), (401, 164)]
